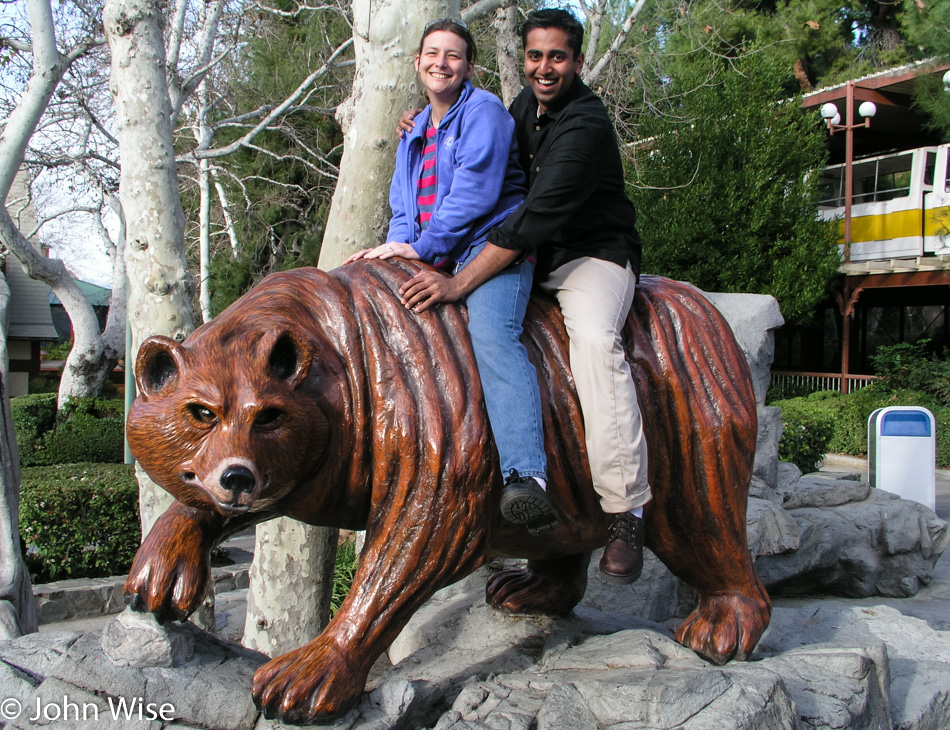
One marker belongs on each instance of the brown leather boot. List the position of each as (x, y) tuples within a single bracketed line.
[(622, 562)]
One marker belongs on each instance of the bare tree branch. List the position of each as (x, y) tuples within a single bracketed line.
[(618, 41), (301, 8), (595, 18), (274, 114), (481, 9)]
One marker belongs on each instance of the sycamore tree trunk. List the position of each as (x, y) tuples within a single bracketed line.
[(160, 286), (17, 608), (291, 559), (507, 44), (386, 35)]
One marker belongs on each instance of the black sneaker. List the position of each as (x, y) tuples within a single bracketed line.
[(524, 502)]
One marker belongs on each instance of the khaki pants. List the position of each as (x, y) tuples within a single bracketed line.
[(595, 297)]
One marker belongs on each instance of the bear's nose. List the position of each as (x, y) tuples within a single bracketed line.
[(238, 479)]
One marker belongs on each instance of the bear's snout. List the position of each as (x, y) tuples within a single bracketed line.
[(235, 485), (238, 480)]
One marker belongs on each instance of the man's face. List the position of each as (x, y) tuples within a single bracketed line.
[(549, 64)]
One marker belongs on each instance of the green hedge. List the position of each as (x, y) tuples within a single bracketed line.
[(806, 421), (79, 520), (86, 430), (808, 428)]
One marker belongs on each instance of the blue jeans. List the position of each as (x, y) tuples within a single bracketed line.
[(509, 381)]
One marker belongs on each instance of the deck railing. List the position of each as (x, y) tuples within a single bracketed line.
[(805, 383)]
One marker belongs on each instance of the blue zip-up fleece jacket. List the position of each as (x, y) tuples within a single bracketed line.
[(480, 180)]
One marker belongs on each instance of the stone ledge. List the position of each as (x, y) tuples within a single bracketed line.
[(77, 598)]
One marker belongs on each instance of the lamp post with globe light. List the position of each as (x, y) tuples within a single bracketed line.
[(829, 112)]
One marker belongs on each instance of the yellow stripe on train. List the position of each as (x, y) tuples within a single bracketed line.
[(899, 224)]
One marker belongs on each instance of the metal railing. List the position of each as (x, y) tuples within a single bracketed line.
[(805, 383)]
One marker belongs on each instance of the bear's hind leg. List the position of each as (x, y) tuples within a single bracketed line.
[(550, 587), (725, 625)]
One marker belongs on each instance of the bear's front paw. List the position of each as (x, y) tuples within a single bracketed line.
[(167, 585), (315, 683)]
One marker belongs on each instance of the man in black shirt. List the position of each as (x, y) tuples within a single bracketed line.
[(579, 220)]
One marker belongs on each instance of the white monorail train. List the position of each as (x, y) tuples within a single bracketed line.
[(900, 204)]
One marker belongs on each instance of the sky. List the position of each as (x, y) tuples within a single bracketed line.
[(71, 238)]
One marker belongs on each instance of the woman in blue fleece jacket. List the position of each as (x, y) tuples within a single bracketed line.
[(458, 175)]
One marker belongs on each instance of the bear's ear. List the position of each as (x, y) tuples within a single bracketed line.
[(157, 366), (290, 358)]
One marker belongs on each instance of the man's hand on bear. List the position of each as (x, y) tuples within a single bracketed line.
[(427, 288)]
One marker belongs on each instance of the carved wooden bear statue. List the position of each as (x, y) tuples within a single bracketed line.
[(318, 396)]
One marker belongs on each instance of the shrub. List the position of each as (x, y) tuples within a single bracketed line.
[(79, 520), (57, 350), (33, 416), (911, 367), (849, 417), (808, 428), (87, 429)]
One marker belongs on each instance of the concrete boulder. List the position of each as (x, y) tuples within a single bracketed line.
[(753, 319)]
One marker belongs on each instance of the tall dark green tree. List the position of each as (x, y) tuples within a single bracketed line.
[(279, 189), (723, 186), (927, 27)]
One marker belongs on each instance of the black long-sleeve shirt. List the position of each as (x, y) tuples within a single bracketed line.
[(576, 204)]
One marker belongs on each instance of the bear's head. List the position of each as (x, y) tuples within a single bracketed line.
[(230, 419)]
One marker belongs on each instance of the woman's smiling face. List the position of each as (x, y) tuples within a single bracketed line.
[(443, 65)]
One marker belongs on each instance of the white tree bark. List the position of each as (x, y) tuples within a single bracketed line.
[(204, 213), (290, 559), (506, 40), (595, 20), (17, 607), (386, 35), (228, 221), (591, 76), (160, 286), (4, 326)]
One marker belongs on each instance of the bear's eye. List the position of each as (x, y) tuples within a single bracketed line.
[(202, 414), (268, 417)]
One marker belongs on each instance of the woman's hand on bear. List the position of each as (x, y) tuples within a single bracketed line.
[(386, 251)]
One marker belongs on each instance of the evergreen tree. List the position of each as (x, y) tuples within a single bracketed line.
[(280, 189), (723, 186), (927, 27)]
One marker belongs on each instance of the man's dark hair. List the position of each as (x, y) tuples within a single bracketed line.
[(554, 18)]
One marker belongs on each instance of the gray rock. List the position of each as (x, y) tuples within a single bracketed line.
[(565, 707), (469, 624), (396, 704), (770, 529), (657, 595), (212, 689), (835, 687), (138, 640), (787, 476), (917, 656), (816, 490), (60, 706), (765, 468), (880, 546), (754, 319), (633, 679)]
